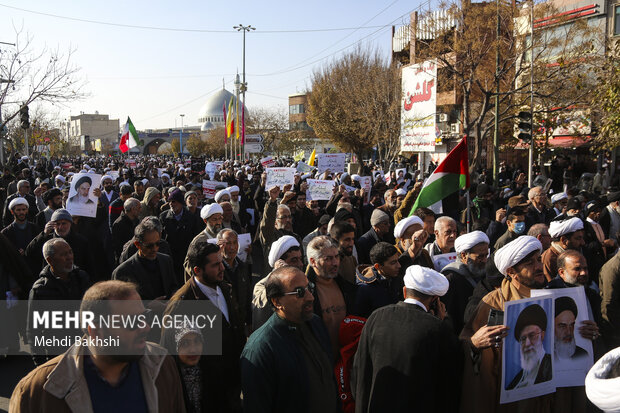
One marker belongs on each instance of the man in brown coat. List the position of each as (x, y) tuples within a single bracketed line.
[(143, 378), (565, 234)]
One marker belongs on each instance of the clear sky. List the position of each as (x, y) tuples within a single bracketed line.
[(156, 75)]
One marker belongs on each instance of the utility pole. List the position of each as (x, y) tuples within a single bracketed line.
[(181, 137), (530, 157), (496, 121), (244, 85)]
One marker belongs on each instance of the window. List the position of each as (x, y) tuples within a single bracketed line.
[(296, 109), (617, 20)]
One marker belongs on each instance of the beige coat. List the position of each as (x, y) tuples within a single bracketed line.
[(59, 385)]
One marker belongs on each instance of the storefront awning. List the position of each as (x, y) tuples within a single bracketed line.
[(561, 142)]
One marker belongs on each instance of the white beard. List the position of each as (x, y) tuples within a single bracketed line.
[(530, 361), (564, 350)]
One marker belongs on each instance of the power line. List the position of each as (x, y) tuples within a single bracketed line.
[(178, 29)]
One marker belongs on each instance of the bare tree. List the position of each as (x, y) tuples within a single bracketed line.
[(30, 75), (272, 123), (355, 103), (462, 37)]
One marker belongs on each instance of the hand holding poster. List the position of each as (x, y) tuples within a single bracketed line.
[(245, 240), (335, 162), (573, 354), (280, 177), (209, 188), (319, 190), (527, 362), (82, 201), (366, 184)]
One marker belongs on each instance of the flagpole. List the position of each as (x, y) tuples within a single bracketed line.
[(468, 214)]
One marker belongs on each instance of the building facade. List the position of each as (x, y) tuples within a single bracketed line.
[(84, 130)]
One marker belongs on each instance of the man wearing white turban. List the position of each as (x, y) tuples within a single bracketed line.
[(566, 234), (422, 359), (519, 261), (212, 215), (603, 382), (464, 274)]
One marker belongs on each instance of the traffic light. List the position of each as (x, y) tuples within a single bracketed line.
[(525, 126), (23, 117)]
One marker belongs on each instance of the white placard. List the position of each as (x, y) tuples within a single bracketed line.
[(418, 107), (245, 240), (209, 188), (130, 163), (280, 177), (304, 167), (267, 162), (82, 202), (211, 169), (572, 354), (319, 190), (441, 260), (251, 212), (516, 383), (335, 162), (366, 184)]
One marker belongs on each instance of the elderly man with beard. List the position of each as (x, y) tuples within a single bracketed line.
[(287, 364), (411, 237), (276, 222), (519, 262), (567, 234), (228, 218), (136, 375), (445, 235), (535, 362), (285, 251), (464, 274), (329, 296)]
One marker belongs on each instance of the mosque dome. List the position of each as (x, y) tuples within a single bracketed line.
[(212, 111), (207, 126)]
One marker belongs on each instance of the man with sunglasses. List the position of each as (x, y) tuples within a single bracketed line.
[(272, 377), (150, 270)]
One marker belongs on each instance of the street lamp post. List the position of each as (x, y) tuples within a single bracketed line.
[(181, 137), (244, 85)]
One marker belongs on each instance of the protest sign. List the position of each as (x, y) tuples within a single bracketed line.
[(527, 359), (280, 177), (366, 184), (113, 174), (303, 167), (349, 188), (441, 260), (211, 169), (335, 162), (82, 202), (209, 188), (573, 354), (267, 162), (319, 190), (378, 175), (244, 240), (130, 162)]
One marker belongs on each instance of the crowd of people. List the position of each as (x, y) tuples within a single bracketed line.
[(347, 304)]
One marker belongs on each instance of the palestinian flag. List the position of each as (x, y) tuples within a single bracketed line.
[(451, 175), (129, 138)]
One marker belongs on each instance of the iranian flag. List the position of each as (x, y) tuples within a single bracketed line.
[(451, 175), (129, 138)]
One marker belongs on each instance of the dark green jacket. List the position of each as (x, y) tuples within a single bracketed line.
[(273, 371)]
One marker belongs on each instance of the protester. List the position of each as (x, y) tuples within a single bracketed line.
[(515, 221), (287, 363), (565, 234), (380, 228), (445, 235), (140, 377), (123, 227), (20, 232), (237, 273), (422, 359), (52, 198)]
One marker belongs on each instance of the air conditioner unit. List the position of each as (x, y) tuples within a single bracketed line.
[(443, 117), (455, 128)]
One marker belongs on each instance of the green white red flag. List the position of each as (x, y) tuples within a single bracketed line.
[(451, 175), (129, 138)]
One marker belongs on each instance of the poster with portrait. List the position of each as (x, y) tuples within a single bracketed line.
[(527, 358), (441, 260), (572, 354), (82, 202)]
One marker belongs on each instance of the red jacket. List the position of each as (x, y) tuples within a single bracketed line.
[(349, 337)]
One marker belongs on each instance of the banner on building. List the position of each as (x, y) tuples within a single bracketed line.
[(418, 108)]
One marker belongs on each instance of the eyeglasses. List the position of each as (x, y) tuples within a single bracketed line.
[(301, 291), (152, 245), (533, 337)]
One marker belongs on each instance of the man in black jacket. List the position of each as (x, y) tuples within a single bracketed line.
[(123, 227), (23, 191), (220, 374), (60, 280), (60, 226), (179, 229), (53, 199), (150, 270), (20, 232)]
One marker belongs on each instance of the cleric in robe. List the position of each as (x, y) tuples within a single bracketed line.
[(82, 188), (536, 364)]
